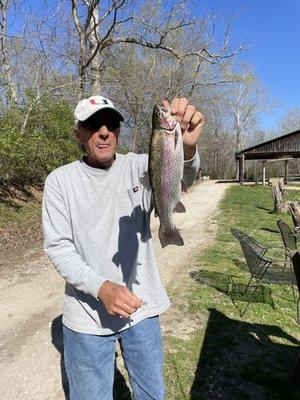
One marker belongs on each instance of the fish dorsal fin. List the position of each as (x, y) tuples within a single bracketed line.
[(179, 208), (145, 180), (183, 186)]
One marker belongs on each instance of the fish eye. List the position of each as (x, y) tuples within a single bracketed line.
[(160, 113)]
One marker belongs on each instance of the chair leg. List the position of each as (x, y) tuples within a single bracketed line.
[(285, 262), (248, 285), (251, 297), (294, 296), (232, 292)]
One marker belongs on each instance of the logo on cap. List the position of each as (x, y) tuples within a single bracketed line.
[(94, 102)]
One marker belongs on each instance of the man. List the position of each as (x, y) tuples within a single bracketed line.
[(97, 234)]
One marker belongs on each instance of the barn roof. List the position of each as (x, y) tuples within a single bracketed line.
[(284, 146)]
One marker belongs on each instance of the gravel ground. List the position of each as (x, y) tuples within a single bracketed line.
[(31, 306)]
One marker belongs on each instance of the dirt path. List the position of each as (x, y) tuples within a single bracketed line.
[(31, 300)]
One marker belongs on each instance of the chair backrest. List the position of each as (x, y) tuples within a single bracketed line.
[(288, 237), (256, 264), (250, 241), (253, 253)]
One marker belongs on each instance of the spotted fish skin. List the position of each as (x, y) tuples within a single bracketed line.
[(166, 162)]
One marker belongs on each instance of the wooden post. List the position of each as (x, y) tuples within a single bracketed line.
[(241, 169), (295, 209), (281, 183), (264, 173), (254, 172), (286, 162), (279, 206)]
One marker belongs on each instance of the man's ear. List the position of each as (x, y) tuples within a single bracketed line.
[(77, 135)]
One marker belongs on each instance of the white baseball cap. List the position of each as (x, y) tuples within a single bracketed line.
[(87, 107)]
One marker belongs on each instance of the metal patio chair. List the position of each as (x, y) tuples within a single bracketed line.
[(288, 236), (262, 249), (261, 268)]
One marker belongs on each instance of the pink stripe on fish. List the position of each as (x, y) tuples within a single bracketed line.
[(168, 163)]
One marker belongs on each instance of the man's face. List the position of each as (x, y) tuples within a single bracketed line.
[(99, 137)]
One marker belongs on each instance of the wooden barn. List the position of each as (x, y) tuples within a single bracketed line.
[(282, 148)]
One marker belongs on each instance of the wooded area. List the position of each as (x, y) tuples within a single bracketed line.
[(134, 53)]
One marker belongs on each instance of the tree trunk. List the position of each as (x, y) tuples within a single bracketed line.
[(135, 134), (94, 54), (241, 169), (11, 89), (81, 82), (82, 50)]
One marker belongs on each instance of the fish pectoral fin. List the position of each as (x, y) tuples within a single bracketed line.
[(145, 180), (179, 208), (183, 186)]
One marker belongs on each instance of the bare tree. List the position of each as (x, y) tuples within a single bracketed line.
[(245, 101), (137, 23), (290, 121), (217, 143), (10, 85)]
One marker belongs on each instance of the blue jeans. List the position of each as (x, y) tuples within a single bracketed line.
[(89, 361)]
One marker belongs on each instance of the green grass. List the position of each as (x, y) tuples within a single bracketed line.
[(230, 357)]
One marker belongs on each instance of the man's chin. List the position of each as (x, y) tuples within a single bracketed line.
[(100, 162)]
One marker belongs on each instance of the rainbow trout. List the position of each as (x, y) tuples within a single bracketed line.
[(166, 172)]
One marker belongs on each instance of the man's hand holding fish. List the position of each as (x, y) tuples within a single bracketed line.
[(191, 122)]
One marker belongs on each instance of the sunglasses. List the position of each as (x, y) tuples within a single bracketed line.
[(94, 124)]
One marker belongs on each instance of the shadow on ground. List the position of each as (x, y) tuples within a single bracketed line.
[(120, 391), (224, 283), (269, 210), (270, 230), (239, 292), (241, 360)]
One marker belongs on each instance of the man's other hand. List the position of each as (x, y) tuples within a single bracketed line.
[(118, 300)]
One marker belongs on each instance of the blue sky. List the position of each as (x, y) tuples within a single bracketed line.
[(270, 28)]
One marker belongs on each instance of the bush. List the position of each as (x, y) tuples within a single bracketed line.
[(28, 154)]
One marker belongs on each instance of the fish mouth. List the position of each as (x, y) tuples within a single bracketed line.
[(169, 124), (164, 109), (160, 111), (167, 120), (169, 127)]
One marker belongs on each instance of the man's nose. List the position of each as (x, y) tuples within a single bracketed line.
[(103, 131)]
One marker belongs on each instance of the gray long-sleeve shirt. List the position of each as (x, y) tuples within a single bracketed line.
[(96, 228)]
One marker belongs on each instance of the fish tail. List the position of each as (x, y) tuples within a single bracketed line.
[(170, 237)]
